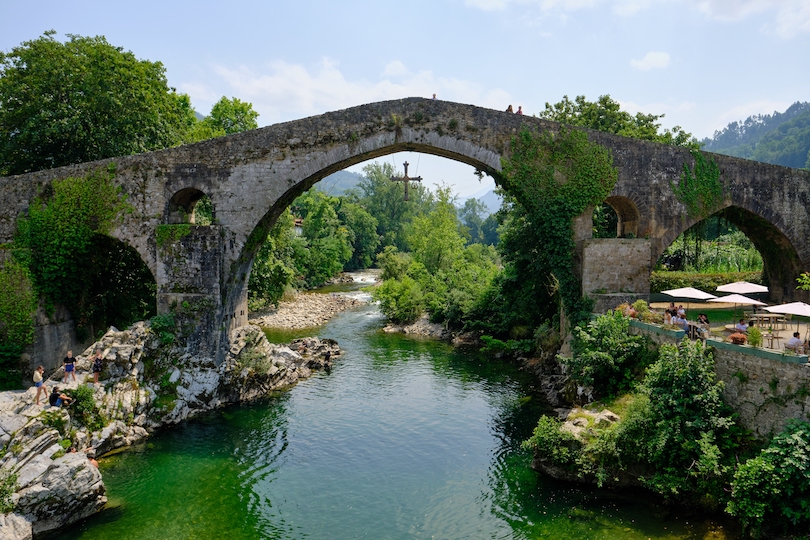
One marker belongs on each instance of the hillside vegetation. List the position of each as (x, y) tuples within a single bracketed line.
[(778, 138)]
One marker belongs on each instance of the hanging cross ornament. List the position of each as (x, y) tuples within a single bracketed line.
[(406, 179)]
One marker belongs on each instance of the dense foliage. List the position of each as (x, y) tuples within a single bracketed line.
[(82, 100), (605, 114), (72, 262), (774, 487), (441, 275), (700, 189), (779, 138), (227, 116), (17, 305), (606, 356), (554, 179), (676, 436)]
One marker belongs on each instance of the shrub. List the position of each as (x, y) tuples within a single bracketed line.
[(554, 445), (755, 337), (401, 300), (8, 485), (163, 326), (605, 355), (774, 487), (84, 409)]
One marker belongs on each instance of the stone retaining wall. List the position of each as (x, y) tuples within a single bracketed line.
[(765, 388)]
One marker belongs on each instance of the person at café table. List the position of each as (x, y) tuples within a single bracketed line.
[(794, 343), (741, 326)]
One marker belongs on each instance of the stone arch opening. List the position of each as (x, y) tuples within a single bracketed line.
[(627, 215), (190, 205), (780, 259), (236, 297)]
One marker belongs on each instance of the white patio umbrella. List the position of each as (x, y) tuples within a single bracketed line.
[(742, 287), (793, 308), (738, 299), (689, 293)]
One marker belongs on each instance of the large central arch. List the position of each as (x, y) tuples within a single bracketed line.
[(251, 177)]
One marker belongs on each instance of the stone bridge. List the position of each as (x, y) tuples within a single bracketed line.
[(251, 177)]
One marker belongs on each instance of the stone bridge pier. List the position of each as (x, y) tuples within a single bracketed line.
[(202, 272)]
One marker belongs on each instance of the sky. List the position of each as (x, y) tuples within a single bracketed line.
[(702, 63)]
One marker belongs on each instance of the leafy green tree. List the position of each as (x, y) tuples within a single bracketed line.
[(489, 230), (384, 200), (274, 268), (435, 239), (774, 487), (328, 239), (227, 116), (472, 215), (605, 114), (233, 116), (63, 242), (362, 228), (83, 100)]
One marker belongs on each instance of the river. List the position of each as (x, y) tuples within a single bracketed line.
[(404, 438)]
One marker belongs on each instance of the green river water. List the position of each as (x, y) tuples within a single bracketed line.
[(404, 438)]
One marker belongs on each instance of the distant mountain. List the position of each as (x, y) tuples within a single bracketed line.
[(339, 183), (778, 138), (492, 200)]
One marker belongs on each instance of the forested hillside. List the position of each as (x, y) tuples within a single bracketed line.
[(778, 138)]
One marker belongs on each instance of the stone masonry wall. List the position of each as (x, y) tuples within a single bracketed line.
[(612, 265)]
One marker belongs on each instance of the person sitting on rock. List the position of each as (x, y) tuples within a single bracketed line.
[(58, 399)]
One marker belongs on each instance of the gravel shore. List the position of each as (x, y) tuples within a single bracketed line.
[(305, 311)]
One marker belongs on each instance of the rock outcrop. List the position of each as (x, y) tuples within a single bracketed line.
[(145, 384)]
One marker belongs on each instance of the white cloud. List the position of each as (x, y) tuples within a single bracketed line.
[(790, 17), (651, 60), (395, 69), (284, 91)]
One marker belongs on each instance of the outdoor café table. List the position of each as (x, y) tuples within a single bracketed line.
[(766, 319)]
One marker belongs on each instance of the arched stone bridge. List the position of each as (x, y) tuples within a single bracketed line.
[(251, 177)]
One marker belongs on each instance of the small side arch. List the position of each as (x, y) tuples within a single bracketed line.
[(184, 206), (628, 215)]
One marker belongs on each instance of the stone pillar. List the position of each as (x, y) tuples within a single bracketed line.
[(189, 273)]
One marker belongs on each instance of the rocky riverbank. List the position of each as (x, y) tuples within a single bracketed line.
[(146, 384), (307, 310)]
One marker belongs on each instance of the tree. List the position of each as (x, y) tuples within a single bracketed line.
[(384, 200), (233, 115), (435, 239), (605, 114), (472, 215), (83, 100)]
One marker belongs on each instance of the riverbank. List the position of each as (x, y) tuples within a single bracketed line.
[(146, 384), (306, 310)]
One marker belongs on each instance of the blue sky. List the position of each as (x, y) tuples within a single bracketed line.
[(702, 63)]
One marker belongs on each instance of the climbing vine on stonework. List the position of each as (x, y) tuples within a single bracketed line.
[(700, 190), (556, 178)]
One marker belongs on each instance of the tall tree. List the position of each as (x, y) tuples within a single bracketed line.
[(605, 114), (384, 200), (82, 100), (228, 116)]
